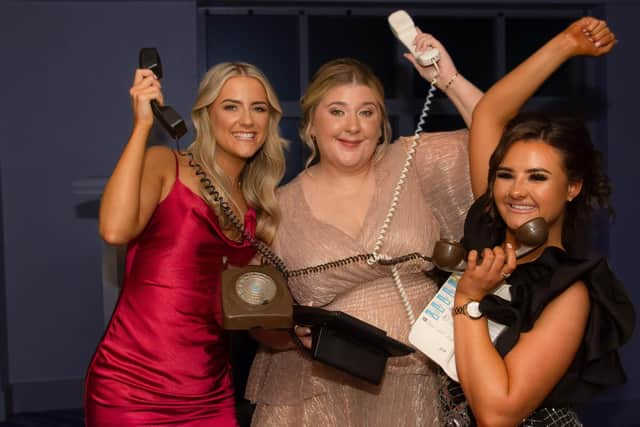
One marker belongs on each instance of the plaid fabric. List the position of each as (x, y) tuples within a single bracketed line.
[(552, 417), (455, 411)]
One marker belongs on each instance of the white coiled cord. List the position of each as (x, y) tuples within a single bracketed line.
[(375, 255)]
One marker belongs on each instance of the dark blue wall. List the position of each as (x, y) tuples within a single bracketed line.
[(623, 92), (64, 117)]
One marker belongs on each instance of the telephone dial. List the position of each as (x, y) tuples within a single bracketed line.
[(255, 296), (167, 116)]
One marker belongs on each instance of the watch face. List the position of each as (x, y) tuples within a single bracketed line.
[(473, 309)]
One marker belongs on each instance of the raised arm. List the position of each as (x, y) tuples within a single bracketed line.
[(587, 36), (137, 183), (460, 91)]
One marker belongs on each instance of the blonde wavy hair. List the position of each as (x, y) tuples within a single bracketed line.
[(339, 72), (262, 172)]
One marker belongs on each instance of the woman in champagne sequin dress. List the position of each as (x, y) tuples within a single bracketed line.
[(334, 210)]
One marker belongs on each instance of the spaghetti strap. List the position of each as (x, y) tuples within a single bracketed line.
[(177, 165)]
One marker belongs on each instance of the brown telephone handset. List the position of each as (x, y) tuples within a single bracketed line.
[(452, 256), (255, 296)]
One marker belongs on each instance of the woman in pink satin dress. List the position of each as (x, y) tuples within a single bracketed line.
[(164, 359)]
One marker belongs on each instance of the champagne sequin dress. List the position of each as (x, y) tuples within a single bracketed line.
[(292, 390)]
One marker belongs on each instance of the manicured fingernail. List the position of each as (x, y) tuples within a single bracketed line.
[(509, 245), (597, 44)]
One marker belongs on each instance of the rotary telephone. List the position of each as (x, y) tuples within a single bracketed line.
[(255, 296)]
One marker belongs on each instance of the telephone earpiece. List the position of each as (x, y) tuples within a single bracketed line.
[(167, 116), (452, 257)]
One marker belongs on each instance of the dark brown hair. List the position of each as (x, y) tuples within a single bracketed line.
[(581, 161)]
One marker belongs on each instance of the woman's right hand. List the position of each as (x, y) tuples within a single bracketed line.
[(274, 339), (590, 37), (446, 68), (483, 275), (146, 87), (304, 335)]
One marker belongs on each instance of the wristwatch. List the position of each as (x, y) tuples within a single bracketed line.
[(471, 308)]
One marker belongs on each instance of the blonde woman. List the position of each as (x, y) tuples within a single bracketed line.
[(164, 358), (334, 211)]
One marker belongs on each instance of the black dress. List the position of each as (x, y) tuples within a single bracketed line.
[(533, 285)]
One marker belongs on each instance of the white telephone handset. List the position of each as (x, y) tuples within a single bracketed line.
[(404, 29)]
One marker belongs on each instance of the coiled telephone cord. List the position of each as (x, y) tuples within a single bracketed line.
[(376, 256)]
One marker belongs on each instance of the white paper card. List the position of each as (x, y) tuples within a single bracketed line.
[(432, 333)]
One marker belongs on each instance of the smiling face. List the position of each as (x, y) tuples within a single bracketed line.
[(239, 117), (347, 126), (531, 182)]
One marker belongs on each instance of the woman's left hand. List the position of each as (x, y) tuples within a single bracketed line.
[(482, 276), (590, 36), (423, 42), (304, 335)]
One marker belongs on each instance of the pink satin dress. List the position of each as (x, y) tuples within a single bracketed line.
[(164, 359)]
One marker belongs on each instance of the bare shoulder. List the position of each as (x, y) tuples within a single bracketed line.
[(292, 188), (160, 153), (160, 169), (576, 296), (438, 139), (577, 292), (573, 303), (160, 160)]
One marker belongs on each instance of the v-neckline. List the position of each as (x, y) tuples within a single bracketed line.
[(372, 203), (211, 212)]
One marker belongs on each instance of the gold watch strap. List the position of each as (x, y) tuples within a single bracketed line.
[(464, 309), (459, 309)]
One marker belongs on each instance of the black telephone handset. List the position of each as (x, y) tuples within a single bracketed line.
[(167, 116)]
